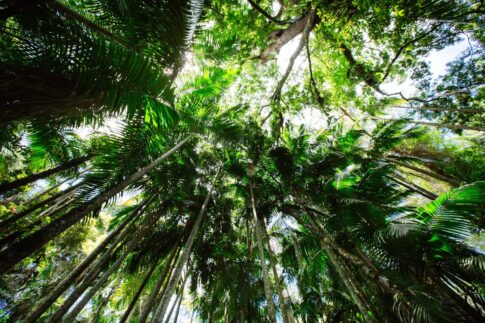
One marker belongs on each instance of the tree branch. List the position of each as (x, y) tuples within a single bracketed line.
[(306, 31)]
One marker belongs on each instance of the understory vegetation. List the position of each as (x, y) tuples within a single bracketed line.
[(242, 161)]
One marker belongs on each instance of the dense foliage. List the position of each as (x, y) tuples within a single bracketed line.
[(240, 161)]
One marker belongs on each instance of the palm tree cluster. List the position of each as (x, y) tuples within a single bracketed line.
[(158, 162)]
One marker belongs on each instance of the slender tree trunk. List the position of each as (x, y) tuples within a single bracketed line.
[(105, 301), (162, 308), (436, 124), (446, 179), (62, 286), (370, 271), (473, 111), (133, 302), (298, 253), (259, 239), (282, 301), (48, 190), (70, 317), (147, 306), (178, 300), (174, 305), (414, 188), (5, 187), (38, 239), (344, 277), (102, 280), (175, 320), (14, 218)]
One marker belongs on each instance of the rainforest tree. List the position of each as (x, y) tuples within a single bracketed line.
[(242, 161)]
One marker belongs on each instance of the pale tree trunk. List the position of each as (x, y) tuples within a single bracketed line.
[(105, 301), (351, 288), (259, 240), (5, 187), (413, 187), (62, 286), (70, 317), (178, 300), (298, 253), (15, 217), (148, 304), (162, 308), (25, 247), (133, 302), (443, 178), (282, 300), (369, 270), (439, 125), (175, 320)]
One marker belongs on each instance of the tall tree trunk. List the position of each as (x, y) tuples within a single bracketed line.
[(178, 300), (102, 280), (62, 286), (259, 239), (133, 302), (371, 272), (282, 301), (15, 217), (38, 239), (439, 125), (443, 178), (104, 302), (358, 299), (48, 190), (162, 308), (466, 110), (70, 317), (413, 187), (175, 320), (5, 187), (298, 253), (147, 306)]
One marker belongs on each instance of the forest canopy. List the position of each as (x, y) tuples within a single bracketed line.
[(242, 161)]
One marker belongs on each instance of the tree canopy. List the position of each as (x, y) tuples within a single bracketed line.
[(242, 161)]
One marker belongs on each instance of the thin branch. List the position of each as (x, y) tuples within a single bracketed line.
[(267, 15), (301, 44)]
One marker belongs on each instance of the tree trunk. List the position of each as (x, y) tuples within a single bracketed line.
[(446, 179), (259, 239), (5, 187), (282, 301), (282, 37), (105, 301), (15, 217), (38, 239), (175, 320), (147, 306), (465, 110), (133, 302), (178, 300), (414, 188), (298, 253), (47, 191), (64, 284), (358, 299), (438, 125), (162, 308), (70, 317)]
